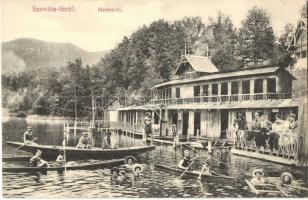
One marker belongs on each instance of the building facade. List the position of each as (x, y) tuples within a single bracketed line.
[(201, 102)]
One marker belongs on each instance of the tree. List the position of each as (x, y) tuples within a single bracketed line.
[(222, 41), (282, 56), (256, 37)]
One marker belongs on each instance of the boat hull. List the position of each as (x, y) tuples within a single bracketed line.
[(88, 166), (50, 152)]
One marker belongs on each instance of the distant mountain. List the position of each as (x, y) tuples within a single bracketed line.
[(29, 54)]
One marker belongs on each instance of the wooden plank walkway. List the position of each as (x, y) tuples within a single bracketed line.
[(256, 155)]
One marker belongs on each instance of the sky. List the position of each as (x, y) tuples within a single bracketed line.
[(97, 31)]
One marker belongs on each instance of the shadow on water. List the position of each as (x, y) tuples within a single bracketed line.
[(155, 183)]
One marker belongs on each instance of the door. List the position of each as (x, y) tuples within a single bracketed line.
[(185, 122), (174, 117), (224, 123), (197, 123)]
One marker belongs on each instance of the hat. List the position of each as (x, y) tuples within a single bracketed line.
[(286, 174), (137, 166), (292, 115), (130, 157), (115, 169), (85, 133), (254, 173), (277, 115)]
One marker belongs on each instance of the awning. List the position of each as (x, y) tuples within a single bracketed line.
[(271, 103)]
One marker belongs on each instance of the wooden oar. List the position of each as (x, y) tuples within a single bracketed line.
[(199, 177), (283, 192), (296, 187), (26, 143)]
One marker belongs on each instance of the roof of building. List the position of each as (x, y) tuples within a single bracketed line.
[(223, 75), (199, 64)]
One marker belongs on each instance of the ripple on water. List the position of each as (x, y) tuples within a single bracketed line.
[(156, 183)]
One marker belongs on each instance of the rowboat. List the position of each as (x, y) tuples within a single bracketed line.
[(266, 189), (192, 173), (84, 166), (50, 152)]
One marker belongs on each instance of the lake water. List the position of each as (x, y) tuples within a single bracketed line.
[(156, 183)]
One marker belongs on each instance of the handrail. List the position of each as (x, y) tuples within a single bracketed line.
[(221, 98), (288, 143)]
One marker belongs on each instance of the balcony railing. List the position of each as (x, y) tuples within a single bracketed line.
[(287, 145), (222, 98)]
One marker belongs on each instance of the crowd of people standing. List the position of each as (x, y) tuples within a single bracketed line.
[(277, 135)]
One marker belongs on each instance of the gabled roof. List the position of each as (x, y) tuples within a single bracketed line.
[(199, 64), (301, 24), (224, 75)]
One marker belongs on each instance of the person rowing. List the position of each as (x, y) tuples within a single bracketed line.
[(84, 142), (37, 161), (258, 177), (185, 162), (28, 137)]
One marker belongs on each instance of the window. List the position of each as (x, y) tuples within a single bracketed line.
[(224, 88), (258, 86), (271, 85), (234, 88), (177, 93), (205, 90), (246, 87), (196, 90), (215, 89)]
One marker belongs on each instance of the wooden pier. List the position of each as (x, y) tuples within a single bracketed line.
[(258, 155)]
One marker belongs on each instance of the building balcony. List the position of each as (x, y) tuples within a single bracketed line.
[(223, 98)]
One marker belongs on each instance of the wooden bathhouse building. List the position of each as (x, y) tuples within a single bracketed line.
[(201, 103)]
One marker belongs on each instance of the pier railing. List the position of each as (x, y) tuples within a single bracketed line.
[(222, 98), (138, 127), (284, 144), (127, 126)]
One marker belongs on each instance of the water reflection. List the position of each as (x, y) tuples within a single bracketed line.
[(155, 183)]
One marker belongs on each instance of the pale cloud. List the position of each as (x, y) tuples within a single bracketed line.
[(94, 31)]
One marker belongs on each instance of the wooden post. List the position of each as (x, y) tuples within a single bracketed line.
[(278, 89), (265, 88), (160, 121), (75, 122), (229, 88), (252, 88), (240, 90)]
